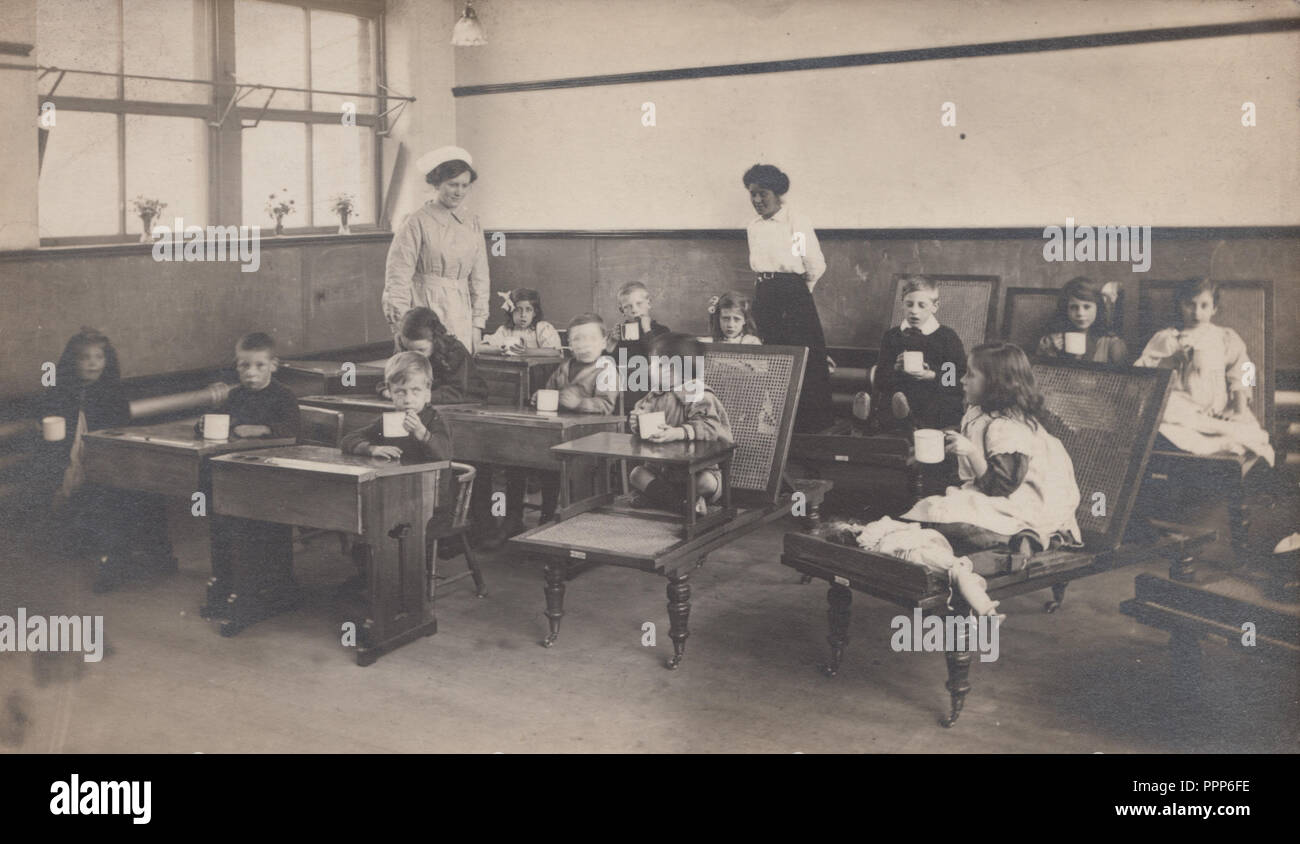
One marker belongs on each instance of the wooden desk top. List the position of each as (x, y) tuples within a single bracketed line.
[(178, 435), (527, 356), (630, 447), (331, 368), (529, 418), (330, 461), (374, 403)]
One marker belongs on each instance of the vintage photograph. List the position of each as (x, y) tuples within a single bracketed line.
[(649, 377)]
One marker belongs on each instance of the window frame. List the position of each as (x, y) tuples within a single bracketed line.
[(224, 146)]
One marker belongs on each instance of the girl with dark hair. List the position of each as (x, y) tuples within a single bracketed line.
[(438, 258), (1086, 307), (453, 377), (1209, 398), (524, 328), (1018, 479), (121, 528), (787, 260)]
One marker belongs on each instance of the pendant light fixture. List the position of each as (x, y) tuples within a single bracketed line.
[(468, 32)]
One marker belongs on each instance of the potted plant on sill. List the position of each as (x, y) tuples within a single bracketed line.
[(343, 204), (147, 210), (279, 209)]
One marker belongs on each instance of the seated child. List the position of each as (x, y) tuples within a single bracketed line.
[(525, 328), (588, 383), (932, 397), (454, 379), (409, 376), (634, 303), (259, 407), (731, 319), (1018, 480), (1209, 399), (1088, 308), (691, 412), (126, 531)]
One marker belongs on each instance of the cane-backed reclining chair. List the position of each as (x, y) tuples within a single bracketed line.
[(1106, 419)]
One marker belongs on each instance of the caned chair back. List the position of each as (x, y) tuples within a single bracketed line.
[(759, 388), (1107, 420)]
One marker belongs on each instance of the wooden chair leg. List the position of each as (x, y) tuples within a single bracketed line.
[(479, 588), (430, 573)]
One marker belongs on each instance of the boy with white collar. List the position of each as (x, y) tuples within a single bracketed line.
[(929, 397), (691, 412)]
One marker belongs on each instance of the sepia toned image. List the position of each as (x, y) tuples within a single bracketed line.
[(648, 377)]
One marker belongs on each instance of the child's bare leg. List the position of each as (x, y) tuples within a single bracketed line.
[(973, 588), (705, 488), (641, 477)]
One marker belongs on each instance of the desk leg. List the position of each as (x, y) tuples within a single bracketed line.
[(1058, 595), (839, 608), (1185, 665), (554, 589), (399, 610), (679, 613), (958, 684)]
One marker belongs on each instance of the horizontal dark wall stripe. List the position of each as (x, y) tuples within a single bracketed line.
[(1157, 232), (13, 48), (1162, 232), (960, 51)]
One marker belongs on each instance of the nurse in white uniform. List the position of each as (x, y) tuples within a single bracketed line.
[(438, 258)]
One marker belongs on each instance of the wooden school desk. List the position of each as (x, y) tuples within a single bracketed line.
[(316, 377), (166, 457), (690, 456), (512, 379), (506, 437), (1107, 421), (386, 504), (359, 411)]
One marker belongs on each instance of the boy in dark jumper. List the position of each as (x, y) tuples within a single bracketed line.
[(409, 377), (259, 407), (930, 397)]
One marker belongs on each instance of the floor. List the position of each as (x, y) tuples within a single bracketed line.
[(1083, 680)]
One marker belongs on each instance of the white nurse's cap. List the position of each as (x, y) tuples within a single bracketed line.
[(433, 158)]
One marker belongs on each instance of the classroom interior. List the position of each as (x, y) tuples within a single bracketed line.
[(609, 140)]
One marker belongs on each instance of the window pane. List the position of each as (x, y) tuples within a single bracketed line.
[(79, 191), (166, 38), (275, 162), (167, 159), (342, 59), (271, 49), (343, 162), (80, 34)]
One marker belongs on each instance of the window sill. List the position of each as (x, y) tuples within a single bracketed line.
[(264, 241)]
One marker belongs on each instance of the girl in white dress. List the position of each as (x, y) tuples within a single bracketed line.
[(525, 328), (1018, 479), (1209, 401)]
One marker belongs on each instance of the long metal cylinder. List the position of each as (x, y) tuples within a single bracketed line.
[(209, 396)]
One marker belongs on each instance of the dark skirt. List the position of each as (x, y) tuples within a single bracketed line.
[(787, 316)]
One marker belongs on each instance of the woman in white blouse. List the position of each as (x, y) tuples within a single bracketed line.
[(787, 259), (438, 258)]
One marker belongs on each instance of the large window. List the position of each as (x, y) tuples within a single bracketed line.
[(275, 107)]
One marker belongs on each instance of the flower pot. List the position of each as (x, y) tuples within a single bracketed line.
[(279, 226), (343, 223), (146, 222)]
